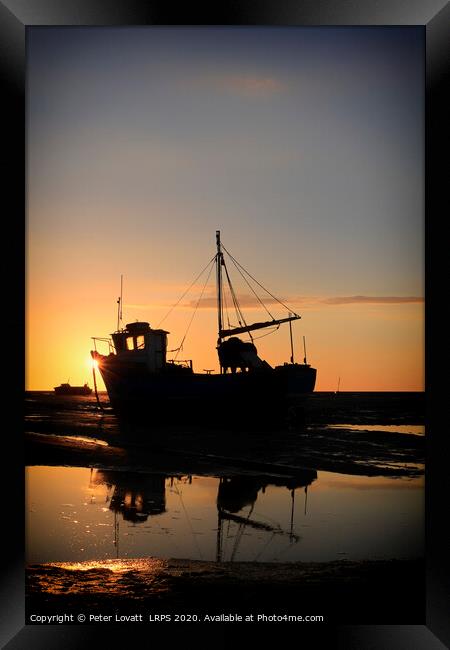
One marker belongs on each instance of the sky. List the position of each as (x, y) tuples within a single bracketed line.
[(303, 146)]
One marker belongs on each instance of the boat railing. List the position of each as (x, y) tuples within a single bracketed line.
[(184, 363), (103, 340)]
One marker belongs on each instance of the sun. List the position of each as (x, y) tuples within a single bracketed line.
[(93, 363)]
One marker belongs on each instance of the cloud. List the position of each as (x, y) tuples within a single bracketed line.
[(242, 85), (386, 300), (245, 301), (250, 302), (250, 86)]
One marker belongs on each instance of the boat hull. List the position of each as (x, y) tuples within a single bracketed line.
[(73, 390), (132, 389)]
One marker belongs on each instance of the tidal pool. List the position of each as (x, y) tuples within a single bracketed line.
[(75, 514)]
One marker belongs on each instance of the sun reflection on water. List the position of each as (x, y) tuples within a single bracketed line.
[(113, 565)]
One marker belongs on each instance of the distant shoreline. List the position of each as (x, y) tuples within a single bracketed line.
[(316, 392)]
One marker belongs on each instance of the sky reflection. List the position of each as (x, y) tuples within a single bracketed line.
[(78, 514)]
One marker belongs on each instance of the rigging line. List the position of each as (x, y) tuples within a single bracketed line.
[(258, 283), (250, 287), (261, 551), (235, 300), (237, 307), (289, 546), (227, 536), (188, 521), (239, 533), (268, 334), (187, 291), (237, 541), (224, 295), (195, 310)]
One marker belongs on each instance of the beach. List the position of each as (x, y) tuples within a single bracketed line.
[(194, 519)]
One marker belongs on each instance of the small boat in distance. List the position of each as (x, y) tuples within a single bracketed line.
[(67, 389), (141, 380)]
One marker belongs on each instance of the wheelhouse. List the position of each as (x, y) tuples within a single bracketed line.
[(140, 340)]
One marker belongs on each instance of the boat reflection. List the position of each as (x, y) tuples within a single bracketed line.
[(138, 496), (135, 496), (236, 493)]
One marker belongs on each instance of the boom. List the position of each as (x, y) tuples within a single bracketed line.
[(256, 326)]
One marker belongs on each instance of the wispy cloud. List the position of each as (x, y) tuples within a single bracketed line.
[(250, 85), (250, 302), (138, 306), (246, 302), (209, 301), (243, 85), (386, 300)]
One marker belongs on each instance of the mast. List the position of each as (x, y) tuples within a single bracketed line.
[(121, 296), (219, 540), (292, 514), (219, 261), (292, 343), (116, 533), (119, 303), (304, 350), (232, 331)]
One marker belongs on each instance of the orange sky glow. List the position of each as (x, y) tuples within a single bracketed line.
[(369, 346), (305, 147)]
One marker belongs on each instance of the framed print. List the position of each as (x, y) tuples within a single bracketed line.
[(227, 365)]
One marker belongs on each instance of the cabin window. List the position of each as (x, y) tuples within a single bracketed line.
[(130, 343), (140, 342)]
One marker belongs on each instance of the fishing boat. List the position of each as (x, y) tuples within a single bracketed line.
[(67, 389), (140, 378)]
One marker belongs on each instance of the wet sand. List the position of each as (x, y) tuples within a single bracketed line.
[(71, 432), (342, 591)]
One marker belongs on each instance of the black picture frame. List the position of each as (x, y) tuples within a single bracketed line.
[(15, 17)]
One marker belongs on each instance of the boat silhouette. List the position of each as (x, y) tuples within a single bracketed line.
[(140, 378), (67, 389)]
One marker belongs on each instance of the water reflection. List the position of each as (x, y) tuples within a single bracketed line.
[(236, 493), (136, 497), (78, 514)]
